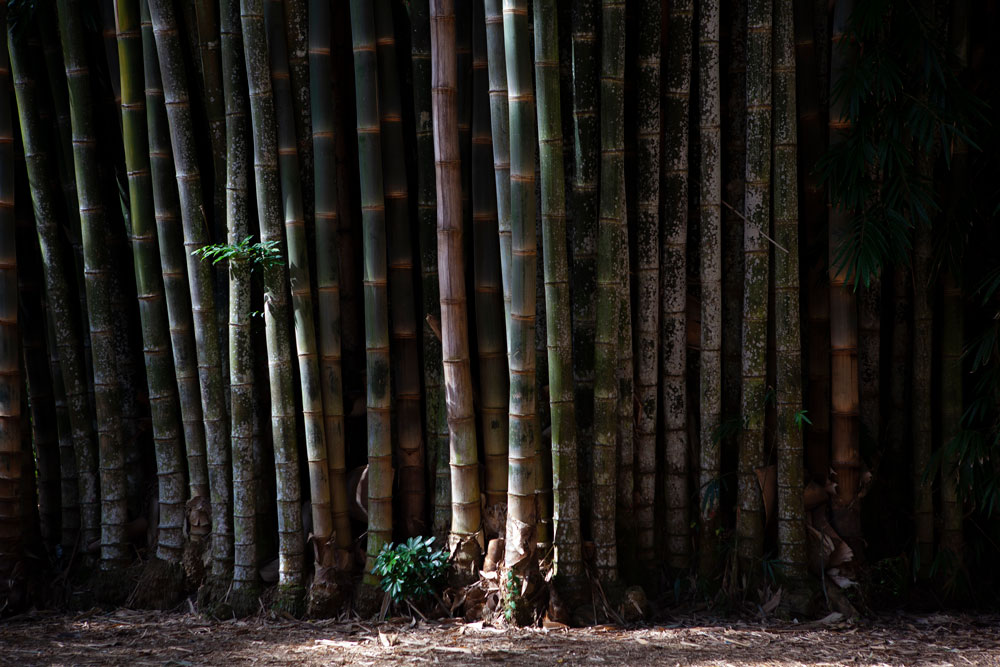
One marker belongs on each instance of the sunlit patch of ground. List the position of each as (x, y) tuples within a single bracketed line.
[(155, 638)]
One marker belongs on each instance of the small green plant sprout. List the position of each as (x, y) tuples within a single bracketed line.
[(262, 254), (411, 570), (801, 419)]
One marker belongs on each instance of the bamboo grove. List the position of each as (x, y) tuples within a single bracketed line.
[(693, 295)]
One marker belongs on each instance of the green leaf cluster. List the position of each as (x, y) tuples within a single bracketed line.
[(411, 570), (262, 254)]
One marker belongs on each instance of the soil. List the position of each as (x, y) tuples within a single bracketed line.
[(126, 637)]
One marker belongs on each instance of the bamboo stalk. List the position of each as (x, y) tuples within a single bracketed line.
[(567, 558), (97, 267), (494, 376), (435, 411), (175, 279), (379, 401), (843, 324), (673, 296), (328, 264), (522, 455), (750, 518), (65, 339), (402, 295), (241, 367), (149, 288), (612, 255), (276, 315), (788, 377), (182, 141), (299, 281), (710, 275)]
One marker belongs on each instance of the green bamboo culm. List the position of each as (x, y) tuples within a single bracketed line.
[(788, 380), (182, 142), (276, 315), (435, 410), (522, 448), (494, 378), (173, 264), (376, 283), (750, 519), (567, 558), (710, 273), (612, 255), (65, 336), (402, 293), (328, 264), (647, 273), (299, 279), (10, 362), (97, 267), (241, 362), (149, 288), (500, 128)]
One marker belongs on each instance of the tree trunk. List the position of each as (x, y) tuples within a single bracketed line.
[(149, 288), (788, 377), (328, 264), (402, 295), (97, 267), (276, 315), (376, 289), (491, 342), (567, 558), (182, 141)]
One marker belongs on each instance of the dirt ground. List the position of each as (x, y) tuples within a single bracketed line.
[(129, 637)]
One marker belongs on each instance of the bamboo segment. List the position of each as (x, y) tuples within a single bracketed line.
[(376, 287), (466, 522), (586, 139), (648, 271), (788, 377), (173, 264), (567, 558), (241, 365), (65, 338), (182, 141), (402, 295), (494, 376), (673, 295), (297, 24), (843, 325), (869, 300), (276, 315), (952, 331), (522, 456), (69, 492), (921, 406), (299, 280), (710, 274), (97, 268), (500, 128), (328, 264), (436, 413), (11, 533), (149, 288), (612, 256)]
